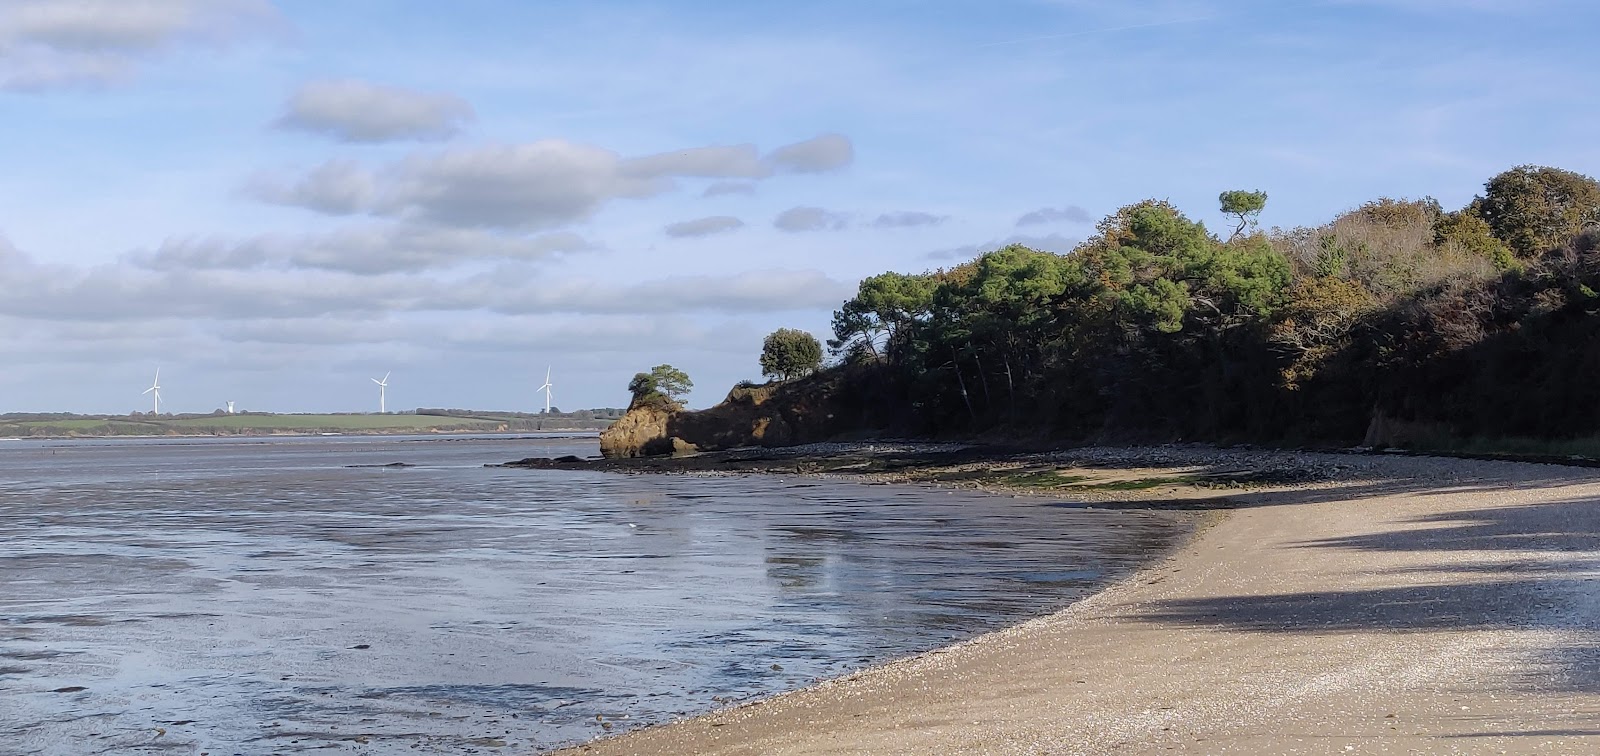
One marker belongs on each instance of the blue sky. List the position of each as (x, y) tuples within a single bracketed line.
[(275, 200)]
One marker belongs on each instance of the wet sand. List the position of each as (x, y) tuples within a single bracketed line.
[(1401, 605), (381, 595)]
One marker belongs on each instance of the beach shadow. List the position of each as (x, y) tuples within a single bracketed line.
[(1553, 587), (1571, 526), (1225, 498)]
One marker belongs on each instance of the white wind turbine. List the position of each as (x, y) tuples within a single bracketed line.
[(156, 387), (546, 389), (383, 388)]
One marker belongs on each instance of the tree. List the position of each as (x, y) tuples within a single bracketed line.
[(670, 381), (642, 385), (1534, 209), (884, 306), (790, 353), (1466, 229), (1247, 206)]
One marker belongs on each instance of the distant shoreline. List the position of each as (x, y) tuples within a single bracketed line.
[(1094, 473), (439, 434), (66, 426)]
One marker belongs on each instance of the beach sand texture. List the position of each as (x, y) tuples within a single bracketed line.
[(1436, 606)]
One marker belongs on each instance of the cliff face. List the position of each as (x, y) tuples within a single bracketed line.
[(641, 432), (785, 414)]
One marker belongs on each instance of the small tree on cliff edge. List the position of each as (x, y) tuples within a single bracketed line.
[(790, 353), (670, 381), (643, 387)]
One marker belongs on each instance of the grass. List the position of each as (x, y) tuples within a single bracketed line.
[(1141, 484), (1526, 447), (1054, 479), (81, 424), (1043, 479)]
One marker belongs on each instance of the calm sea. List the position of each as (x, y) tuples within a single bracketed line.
[(287, 595)]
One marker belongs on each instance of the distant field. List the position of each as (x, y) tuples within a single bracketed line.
[(347, 422), (87, 424)]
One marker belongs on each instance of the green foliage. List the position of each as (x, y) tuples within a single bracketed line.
[(1332, 260), (1246, 206), (670, 381), (1156, 329), (1393, 248), (1534, 209), (884, 306), (788, 353), (643, 387), (1164, 270), (1467, 230)]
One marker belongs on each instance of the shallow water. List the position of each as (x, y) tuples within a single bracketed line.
[(250, 596)]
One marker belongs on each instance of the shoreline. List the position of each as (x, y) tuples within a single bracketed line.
[(1247, 604)]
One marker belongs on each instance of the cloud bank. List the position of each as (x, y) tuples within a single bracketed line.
[(46, 44), (802, 219), (908, 219), (1070, 214), (359, 111), (704, 226), (537, 185)]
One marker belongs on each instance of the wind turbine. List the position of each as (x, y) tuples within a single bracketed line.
[(230, 408), (156, 387), (383, 388), (546, 389)]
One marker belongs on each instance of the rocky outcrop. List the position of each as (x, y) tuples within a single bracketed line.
[(644, 431), (775, 414)]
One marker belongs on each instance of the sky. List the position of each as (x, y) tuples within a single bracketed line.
[(274, 201)]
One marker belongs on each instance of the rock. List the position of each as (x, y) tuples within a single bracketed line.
[(641, 432), (682, 448), (771, 415)]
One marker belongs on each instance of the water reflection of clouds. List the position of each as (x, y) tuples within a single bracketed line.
[(286, 594)]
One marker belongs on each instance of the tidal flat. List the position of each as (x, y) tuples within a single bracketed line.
[(287, 595)]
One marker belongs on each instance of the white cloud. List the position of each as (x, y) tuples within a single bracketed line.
[(538, 185), (360, 111), (337, 187), (799, 219), (704, 226), (721, 188), (748, 292), (908, 218), (374, 249), (825, 153), (219, 283), (542, 184), (737, 161), (52, 43), (1070, 213)]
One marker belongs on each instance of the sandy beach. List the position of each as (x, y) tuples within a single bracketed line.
[(1403, 605)]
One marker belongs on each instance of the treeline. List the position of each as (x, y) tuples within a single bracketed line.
[(1394, 321)]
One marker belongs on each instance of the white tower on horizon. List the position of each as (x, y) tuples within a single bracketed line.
[(383, 389), (156, 387), (546, 389), (230, 408)]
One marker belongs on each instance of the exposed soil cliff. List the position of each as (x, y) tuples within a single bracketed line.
[(775, 414)]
